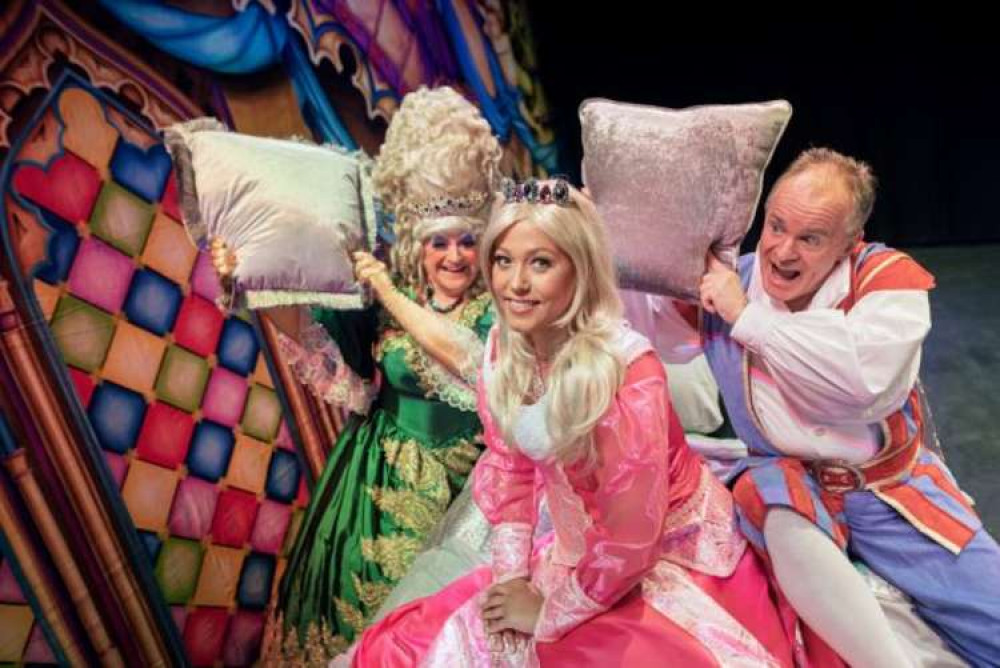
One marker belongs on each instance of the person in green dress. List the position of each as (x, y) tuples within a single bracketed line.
[(406, 369)]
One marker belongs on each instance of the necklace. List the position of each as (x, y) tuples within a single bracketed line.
[(437, 308), (536, 390)]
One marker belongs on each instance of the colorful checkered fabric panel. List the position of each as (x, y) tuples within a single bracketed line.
[(177, 393)]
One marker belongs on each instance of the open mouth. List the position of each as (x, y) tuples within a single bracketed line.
[(461, 269), (521, 306), (786, 275)]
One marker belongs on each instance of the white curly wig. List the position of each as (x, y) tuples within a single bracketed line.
[(437, 145)]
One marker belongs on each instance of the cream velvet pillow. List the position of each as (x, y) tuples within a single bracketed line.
[(291, 210), (672, 183)]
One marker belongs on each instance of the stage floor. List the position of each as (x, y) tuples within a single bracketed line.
[(961, 367)]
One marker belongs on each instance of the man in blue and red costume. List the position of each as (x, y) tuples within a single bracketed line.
[(815, 342)]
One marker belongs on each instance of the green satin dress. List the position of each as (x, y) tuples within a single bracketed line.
[(390, 477)]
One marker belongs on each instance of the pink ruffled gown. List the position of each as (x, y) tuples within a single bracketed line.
[(645, 565)]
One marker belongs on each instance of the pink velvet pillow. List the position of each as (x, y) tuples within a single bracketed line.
[(672, 183)]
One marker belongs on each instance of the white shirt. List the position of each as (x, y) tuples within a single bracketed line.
[(821, 380)]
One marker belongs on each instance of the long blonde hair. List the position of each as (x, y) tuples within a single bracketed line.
[(586, 371), (437, 145)]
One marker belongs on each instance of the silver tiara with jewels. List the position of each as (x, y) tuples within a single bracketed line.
[(533, 191), (448, 205)]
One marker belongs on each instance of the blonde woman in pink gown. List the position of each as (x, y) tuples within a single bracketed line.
[(645, 565)]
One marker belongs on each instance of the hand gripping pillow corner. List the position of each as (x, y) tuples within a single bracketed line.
[(292, 211), (672, 183)]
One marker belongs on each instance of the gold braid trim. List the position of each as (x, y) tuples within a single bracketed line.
[(350, 615), (393, 553), (371, 594), (408, 508), (461, 457), (281, 648), (421, 472)]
